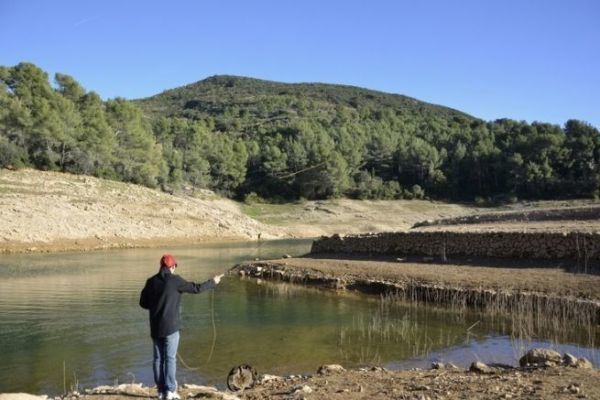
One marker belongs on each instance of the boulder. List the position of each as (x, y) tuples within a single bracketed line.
[(546, 357)]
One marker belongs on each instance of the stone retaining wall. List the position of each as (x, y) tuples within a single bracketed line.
[(583, 247), (549, 214)]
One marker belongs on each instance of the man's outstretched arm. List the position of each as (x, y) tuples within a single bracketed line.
[(192, 287)]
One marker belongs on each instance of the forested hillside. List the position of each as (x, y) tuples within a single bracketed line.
[(247, 138)]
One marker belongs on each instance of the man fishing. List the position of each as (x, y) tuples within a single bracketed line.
[(162, 297)]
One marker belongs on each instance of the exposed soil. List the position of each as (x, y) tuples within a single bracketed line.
[(51, 211), (48, 211), (345, 216), (378, 383), (552, 383)]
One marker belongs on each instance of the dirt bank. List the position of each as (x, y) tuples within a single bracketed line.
[(495, 275), (48, 211), (51, 211)]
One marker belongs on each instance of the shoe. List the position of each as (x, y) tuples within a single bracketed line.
[(172, 396), (161, 396)]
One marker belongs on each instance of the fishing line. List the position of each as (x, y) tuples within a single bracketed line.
[(212, 318), (214, 340)]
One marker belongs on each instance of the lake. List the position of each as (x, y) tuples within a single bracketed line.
[(73, 320)]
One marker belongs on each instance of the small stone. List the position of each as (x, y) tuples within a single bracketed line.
[(421, 387), (286, 256), (583, 363), (451, 366), (573, 388), (438, 365), (330, 369), (540, 356), (480, 368), (269, 378), (569, 360), (302, 389)]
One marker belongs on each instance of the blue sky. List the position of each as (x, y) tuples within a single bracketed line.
[(521, 59)]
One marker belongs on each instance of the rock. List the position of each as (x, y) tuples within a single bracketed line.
[(211, 392), (573, 388), (480, 368), (451, 366), (20, 396), (569, 360), (241, 377), (583, 363), (269, 378), (438, 365), (330, 369), (286, 256), (304, 389), (541, 357), (420, 387)]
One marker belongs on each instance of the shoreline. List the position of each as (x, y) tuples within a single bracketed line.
[(461, 284), (441, 382), (95, 244)]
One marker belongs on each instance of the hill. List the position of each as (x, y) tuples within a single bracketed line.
[(261, 101)]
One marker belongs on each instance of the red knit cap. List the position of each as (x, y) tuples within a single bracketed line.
[(168, 261)]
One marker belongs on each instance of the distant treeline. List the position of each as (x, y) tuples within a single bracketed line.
[(249, 138)]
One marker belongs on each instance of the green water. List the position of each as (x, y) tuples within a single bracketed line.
[(81, 310)]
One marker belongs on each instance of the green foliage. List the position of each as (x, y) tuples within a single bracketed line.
[(255, 140)]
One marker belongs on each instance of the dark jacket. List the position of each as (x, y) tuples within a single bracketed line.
[(162, 297)]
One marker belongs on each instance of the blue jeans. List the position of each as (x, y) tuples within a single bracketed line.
[(165, 363)]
